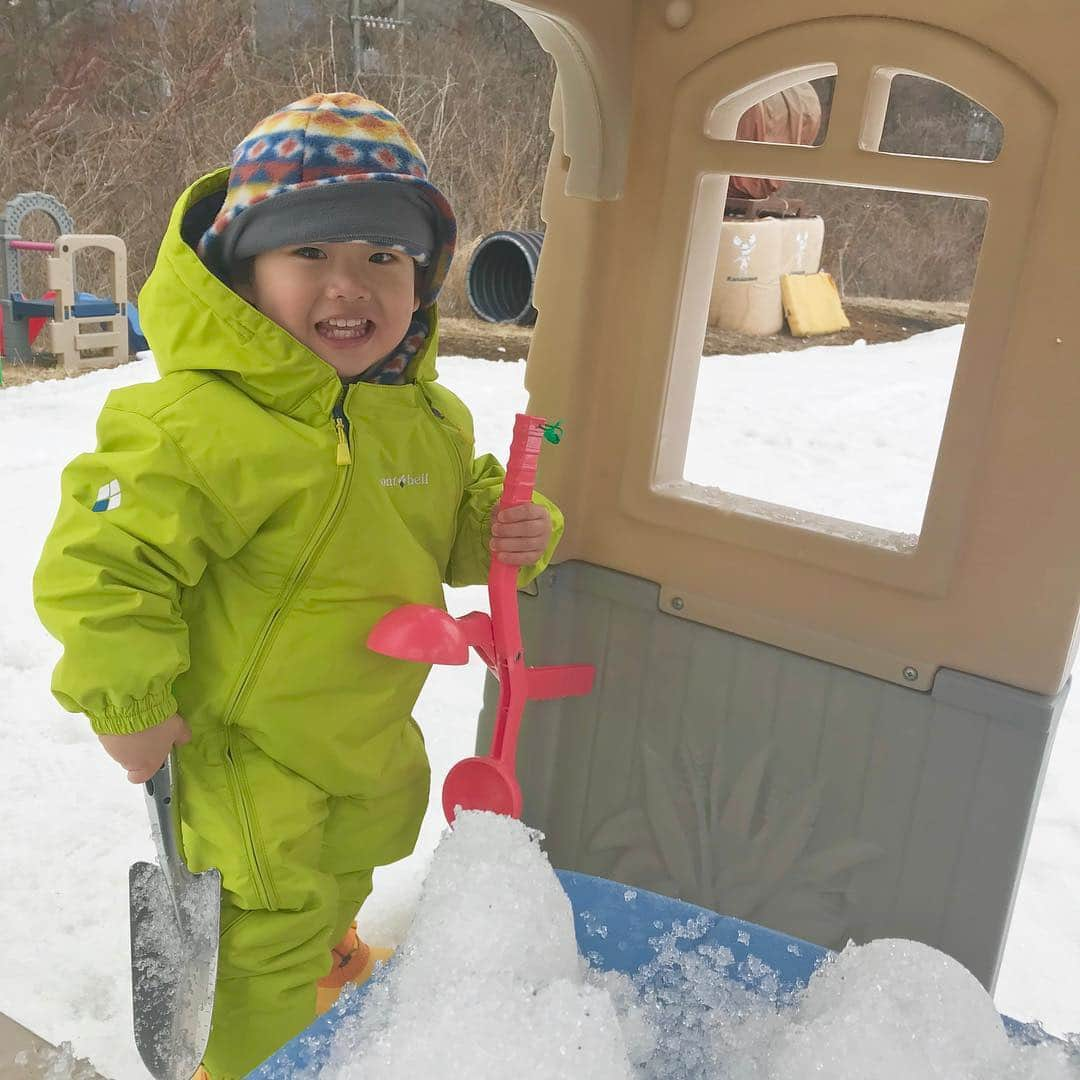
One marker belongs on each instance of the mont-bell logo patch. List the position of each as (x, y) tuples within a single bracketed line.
[(108, 497), (404, 480)]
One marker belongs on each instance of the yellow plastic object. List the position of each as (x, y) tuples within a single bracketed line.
[(812, 304)]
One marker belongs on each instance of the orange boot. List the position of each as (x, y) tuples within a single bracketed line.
[(354, 961)]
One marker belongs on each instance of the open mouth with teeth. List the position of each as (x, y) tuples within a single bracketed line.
[(347, 331)]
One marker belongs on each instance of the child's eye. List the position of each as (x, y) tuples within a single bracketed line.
[(310, 253), (384, 257)]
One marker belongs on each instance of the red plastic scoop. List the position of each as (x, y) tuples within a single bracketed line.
[(429, 635)]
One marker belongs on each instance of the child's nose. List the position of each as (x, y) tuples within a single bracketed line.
[(347, 285)]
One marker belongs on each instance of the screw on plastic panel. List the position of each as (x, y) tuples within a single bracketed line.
[(678, 13), (677, 603), (910, 673)]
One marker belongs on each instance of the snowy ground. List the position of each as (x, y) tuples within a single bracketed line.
[(849, 431)]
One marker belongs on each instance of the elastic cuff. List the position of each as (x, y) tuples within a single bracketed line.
[(142, 714)]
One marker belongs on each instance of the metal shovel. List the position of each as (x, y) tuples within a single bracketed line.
[(175, 916)]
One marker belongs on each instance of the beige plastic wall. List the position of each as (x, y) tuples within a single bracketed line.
[(647, 94)]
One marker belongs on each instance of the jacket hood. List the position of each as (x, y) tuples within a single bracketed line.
[(194, 322)]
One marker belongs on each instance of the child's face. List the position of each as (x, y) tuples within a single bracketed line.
[(349, 303)]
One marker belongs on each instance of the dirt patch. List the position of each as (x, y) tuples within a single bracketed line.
[(490, 341), (872, 320)]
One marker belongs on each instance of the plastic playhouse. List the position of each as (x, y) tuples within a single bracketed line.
[(902, 691), (83, 331), (896, 693)]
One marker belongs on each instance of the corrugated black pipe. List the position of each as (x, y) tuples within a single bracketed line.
[(501, 275)]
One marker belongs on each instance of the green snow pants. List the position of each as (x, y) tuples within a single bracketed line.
[(296, 864)]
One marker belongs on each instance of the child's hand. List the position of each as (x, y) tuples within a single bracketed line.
[(520, 534), (144, 752)]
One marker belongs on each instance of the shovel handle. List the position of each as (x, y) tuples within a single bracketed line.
[(502, 578), (502, 594), (524, 454), (163, 817)]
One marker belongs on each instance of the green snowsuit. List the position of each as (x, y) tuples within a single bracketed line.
[(235, 583)]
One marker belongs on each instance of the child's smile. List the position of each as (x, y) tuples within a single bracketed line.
[(349, 303), (346, 331)]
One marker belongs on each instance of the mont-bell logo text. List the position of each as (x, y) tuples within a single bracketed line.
[(404, 480)]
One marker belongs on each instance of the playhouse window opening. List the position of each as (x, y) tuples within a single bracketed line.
[(927, 118), (841, 428), (789, 108), (797, 115), (93, 272)]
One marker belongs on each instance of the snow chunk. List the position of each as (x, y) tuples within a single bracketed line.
[(492, 905), (488, 982), (891, 1010), (896, 1009), (54, 1063)]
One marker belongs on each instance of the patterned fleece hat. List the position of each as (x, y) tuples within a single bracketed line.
[(332, 167)]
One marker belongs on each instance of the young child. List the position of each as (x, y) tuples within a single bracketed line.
[(218, 561)]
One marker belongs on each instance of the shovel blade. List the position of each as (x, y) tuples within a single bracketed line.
[(174, 947), (481, 783)]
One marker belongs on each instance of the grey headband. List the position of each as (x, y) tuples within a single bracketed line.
[(385, 214)]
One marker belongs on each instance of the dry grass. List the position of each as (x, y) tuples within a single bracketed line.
[(895, 244), (113, 111), (113, 107), (15, 374)]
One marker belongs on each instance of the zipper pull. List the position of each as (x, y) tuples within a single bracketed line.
[(343, 455)]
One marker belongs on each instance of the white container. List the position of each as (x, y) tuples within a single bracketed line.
[(800, 245), (746, 288)]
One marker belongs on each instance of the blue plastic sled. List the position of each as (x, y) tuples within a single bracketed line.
[(632, 917)]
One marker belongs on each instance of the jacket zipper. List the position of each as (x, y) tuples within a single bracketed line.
[(341, 423), (246, 811), (296, 578)]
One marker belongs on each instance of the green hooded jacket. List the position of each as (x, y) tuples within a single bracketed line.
[(262, 518)]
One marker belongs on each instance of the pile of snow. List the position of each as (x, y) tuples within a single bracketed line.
[(894, 1010), (890, 1010), (489, 984)]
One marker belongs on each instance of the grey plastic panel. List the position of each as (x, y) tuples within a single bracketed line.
[(775, 787)]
